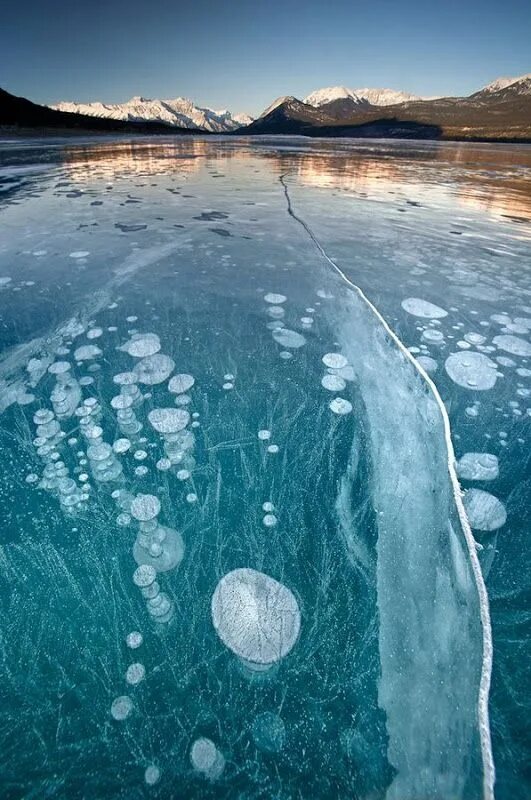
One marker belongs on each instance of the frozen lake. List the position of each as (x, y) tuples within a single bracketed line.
[(265, 487)]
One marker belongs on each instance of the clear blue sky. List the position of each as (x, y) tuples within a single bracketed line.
[(242, 54)]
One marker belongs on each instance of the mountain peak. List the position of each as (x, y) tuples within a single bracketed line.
[(504, 82), (373, 97), (179, 111)]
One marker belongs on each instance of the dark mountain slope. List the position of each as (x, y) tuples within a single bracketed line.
[(19, 113), (504, 115)]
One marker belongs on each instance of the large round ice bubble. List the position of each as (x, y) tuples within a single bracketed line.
[(141, 345), (512, 344), (256, 617), (471, 370), (154, 369), (421, 308), (485, 512), (478, 467), (169, 420)]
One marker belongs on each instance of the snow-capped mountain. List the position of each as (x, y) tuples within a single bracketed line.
[(366, 96), (179, 111), (278, 102), (504, 83)]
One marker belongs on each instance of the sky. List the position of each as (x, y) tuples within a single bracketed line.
[(241, 54)]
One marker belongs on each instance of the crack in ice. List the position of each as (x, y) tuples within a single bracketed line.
[(486, 667)]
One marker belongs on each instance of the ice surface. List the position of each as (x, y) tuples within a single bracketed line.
[(112, 676)]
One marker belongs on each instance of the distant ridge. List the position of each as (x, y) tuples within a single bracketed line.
[(180, 112), (18, 113), (500, 111)]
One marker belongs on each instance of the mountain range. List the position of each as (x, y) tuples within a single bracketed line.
[(180, 111), (500, 111)]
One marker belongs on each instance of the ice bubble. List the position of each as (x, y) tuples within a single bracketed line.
[(228, 386), (94, 333), (80, 254), (334, 360), (59, 368), (273, 448), (141, 345), (276, 312), (503, 361), (427, 363), (121, 446), (288, 338), (471, 370), (86, 380), (334, 383), (275, 299), (145, 507), (183, 400), (121, 707), (123, 520), (478, 467), (269, 732), (475, 338), (268, 506), (181, 383), (154, 369), (191, 497), (264, 435), (206, 758), (432, 337), (152, 775), (134, 639), (169, 420), (501, 319), (255, 616), (513, 344), (340, 406), (524, 372), (270, 520), (183, 474), (86, 352), (144, 576), (135, 674), (285, 355), (485, 512), (163, 464), (347, 373), (421, 308)]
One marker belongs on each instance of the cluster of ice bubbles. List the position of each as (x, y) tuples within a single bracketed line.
[(256, 617), (476, 366), (157, 548), (339, 370)]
